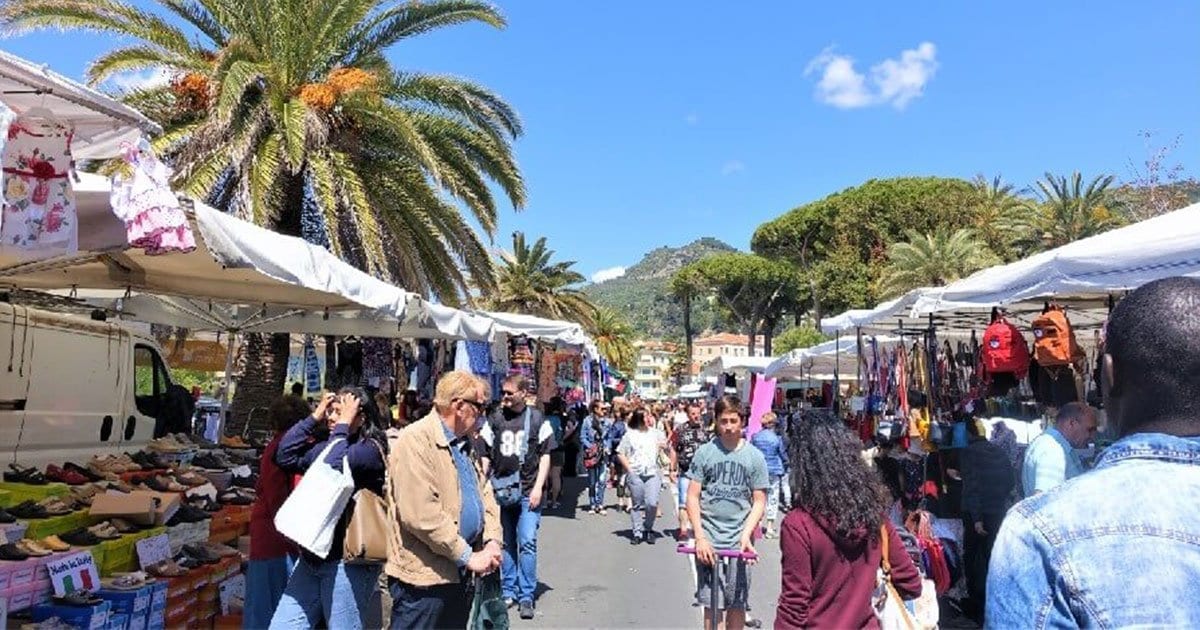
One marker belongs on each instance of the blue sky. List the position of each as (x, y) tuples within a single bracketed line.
[(655, 123)]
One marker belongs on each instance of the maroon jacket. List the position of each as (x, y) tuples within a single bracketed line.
[(828, 578), (273, 488)]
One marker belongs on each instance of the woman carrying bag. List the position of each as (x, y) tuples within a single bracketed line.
[(324, 590)]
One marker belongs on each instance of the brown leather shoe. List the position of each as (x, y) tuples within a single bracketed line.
[(54, 543)]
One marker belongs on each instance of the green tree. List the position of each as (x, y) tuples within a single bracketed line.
[(614, 338), (840, 242), (933, 260), (1066, 210), (278, 106), (686, 286), (530, 282), (753, 289), (802, 336)]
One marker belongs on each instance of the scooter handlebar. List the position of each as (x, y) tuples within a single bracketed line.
[(722, 553)]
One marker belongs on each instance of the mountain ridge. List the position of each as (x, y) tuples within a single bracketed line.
[(643, 294)]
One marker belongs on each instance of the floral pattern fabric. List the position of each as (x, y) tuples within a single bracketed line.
[(39, 217)]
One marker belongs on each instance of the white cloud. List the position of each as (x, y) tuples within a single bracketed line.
[(142, 80), (732, 166), (611, 273), (893, 82), (692, 119)]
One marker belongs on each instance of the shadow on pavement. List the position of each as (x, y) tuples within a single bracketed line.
[(574, 494)]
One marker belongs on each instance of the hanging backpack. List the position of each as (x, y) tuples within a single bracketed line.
[(1004, 349), (1053, 340)]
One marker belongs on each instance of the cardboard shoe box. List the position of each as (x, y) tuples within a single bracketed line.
[(143, 507)]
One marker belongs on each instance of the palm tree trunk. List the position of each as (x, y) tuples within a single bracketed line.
[(264, 367), (264, 370)]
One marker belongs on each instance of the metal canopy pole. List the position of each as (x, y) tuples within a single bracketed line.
[(837, 368), (228, 383)]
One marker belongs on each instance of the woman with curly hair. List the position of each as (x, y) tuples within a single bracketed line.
[(831, 540)]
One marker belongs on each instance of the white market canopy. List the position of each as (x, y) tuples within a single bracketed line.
[(240, 277), (549, 330), (1115, 261), (730, 363), (102, 124), (836, 356)]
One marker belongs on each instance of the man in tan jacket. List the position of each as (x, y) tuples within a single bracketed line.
[(447, 523)]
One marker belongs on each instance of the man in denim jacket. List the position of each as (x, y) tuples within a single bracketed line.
[(1119, 546)]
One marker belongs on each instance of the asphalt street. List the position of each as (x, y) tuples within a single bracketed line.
[(591, 577)]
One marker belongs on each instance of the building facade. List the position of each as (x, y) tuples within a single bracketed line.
[(709, 347), (653, 372)]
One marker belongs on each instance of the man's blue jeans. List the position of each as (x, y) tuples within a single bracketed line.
[(597, 485), (330, 594), (265, 582), (518, 569)]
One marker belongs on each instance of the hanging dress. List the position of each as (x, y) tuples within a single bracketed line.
[(154, 222), (39, 219)]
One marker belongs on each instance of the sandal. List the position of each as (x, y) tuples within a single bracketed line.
[(30, 476)]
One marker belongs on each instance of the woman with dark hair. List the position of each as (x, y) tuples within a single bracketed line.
[(327, 592), (638, 453), (832, 538), (595, 454)]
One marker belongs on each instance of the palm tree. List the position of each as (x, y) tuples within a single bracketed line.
[(1066, 211), (279, 104), (286, 112), (614, 338), (999, 206), (933, 260), (529, 282)]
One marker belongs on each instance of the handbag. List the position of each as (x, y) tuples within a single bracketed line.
[(367, 531), (488, 610), (591, 456), (886, 603), (310, 515), (507, 488)]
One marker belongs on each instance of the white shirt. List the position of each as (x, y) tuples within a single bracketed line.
[(641, 449)]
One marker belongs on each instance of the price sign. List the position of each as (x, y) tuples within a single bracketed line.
[(153, 550), (76, 572)]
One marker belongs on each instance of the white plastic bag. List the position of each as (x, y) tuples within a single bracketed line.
[(311, 513)]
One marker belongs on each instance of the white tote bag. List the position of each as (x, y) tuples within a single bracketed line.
[(311, 513)]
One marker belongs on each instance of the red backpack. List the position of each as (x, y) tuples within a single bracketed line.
[(1004, 349)]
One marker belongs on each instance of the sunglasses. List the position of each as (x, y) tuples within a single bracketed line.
[(509, 392), (474, 403)]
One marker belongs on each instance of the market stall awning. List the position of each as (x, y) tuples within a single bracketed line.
[(833, 356), (1115, 261), (549, 330), (728, 363), (102, 124)]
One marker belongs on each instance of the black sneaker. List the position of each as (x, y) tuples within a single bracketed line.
[(526, 610), (636, 539), (651, 537)]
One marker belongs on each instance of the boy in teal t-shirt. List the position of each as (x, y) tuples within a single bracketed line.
[(726, 500)]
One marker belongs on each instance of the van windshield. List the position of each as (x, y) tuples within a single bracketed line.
[(150, 380)]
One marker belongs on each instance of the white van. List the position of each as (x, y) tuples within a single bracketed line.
[(72, 387)]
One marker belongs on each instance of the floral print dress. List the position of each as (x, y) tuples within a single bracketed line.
[(39, 219)]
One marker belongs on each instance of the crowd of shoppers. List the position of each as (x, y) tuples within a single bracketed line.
[(465, 491)]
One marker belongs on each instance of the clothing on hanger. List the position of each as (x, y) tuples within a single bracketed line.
[(39, 219), (153, 218)]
